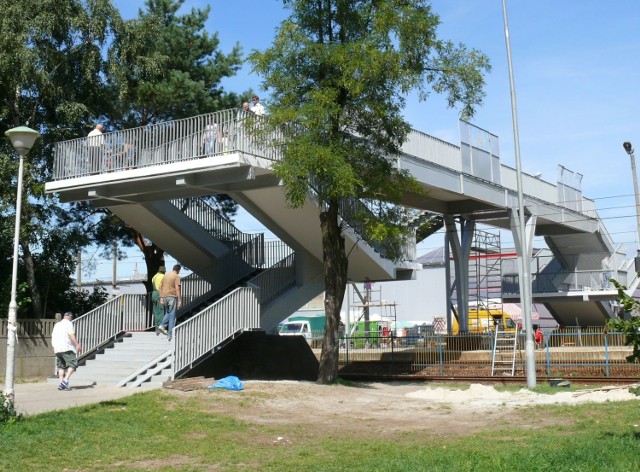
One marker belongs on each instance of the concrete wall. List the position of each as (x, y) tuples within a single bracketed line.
[(34, 354), (258, 356), (419, 299)]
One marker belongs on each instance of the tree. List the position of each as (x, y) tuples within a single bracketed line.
[(629, 327), (51, 69), (340, 70), (163, 66)]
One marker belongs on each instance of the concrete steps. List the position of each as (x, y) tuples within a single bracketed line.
[(124, 357)]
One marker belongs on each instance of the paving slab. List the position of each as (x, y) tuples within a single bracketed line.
[(40, 397)]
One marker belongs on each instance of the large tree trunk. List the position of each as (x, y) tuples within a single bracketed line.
[(335, 279), (153, 258), (36, 299)]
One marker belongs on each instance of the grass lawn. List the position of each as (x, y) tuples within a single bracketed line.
[(157, 430)]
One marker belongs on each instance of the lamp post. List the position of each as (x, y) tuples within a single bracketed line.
[(629, 148), (22, 139), (525, 257)]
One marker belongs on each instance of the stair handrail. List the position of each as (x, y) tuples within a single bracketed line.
[(126, 312), (200, 335), (194, 290), (276, 280), (161, 357), (211, 220), (227, 271), (351, 210), (239, 263)]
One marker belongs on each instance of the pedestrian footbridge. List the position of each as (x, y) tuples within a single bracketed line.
[(156, 178)]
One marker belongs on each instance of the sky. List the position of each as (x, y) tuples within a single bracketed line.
[(576, 69)]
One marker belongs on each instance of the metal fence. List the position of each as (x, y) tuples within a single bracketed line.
[(212, 221), (128, 312), (565, 352), (200, 335), (276, 280), (172, 141), (29, 328)]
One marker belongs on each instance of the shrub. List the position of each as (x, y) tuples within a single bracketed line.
[(8, 413)]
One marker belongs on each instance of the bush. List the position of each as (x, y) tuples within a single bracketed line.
[(8, 413)]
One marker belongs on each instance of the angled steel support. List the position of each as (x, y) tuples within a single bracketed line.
[(461, 249)]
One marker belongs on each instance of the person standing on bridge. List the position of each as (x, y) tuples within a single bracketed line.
[(210, 138), (95, 143), (258, 108), (171, 297)]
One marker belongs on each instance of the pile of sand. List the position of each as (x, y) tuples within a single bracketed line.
[(480, 396)]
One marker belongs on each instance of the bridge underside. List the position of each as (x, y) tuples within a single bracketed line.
[(249, 180)]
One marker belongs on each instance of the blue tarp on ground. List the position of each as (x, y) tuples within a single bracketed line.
[(228, 383)]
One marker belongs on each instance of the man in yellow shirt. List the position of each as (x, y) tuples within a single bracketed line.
[(158, 309)]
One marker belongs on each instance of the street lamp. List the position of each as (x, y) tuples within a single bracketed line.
[(629, 148), (525, 257), (22, 139)]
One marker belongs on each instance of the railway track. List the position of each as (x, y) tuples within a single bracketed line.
[(373, 377)]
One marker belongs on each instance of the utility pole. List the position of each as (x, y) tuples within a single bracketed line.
[(525, 257), (629, 148)]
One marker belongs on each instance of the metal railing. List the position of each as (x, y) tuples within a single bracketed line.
[(29, 328), (276, 280), (198, 336), (194, 290), (557, 282), (126, 312), (223, 132), (212, 221), (162, 143), (572, 351), (355, 212), (227, 271)]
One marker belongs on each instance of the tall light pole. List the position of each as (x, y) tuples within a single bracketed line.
[(22, 139), (525, 280), (629, 148)]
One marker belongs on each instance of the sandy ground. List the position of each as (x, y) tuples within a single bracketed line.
[(379, 409)]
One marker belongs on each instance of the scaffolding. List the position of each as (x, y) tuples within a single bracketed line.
[(485, 277), (368, 323)]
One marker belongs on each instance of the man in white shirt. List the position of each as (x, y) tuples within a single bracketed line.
[(95, 142), (257, 108), (66, 347)]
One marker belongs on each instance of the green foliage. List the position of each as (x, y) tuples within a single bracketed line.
[(165, 66), (8, 413), (339, 73), (52, 66), (629, 327), (65, 64)]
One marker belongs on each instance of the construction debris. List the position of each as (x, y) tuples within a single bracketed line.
[(187, 385)]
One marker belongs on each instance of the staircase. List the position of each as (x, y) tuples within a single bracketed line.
[(125, 357)]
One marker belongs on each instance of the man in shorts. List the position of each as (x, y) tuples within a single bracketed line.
[(66, 348)]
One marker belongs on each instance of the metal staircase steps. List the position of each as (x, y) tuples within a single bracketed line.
[(124, 357)]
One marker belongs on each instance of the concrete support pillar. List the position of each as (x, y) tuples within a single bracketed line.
[(461, 249)]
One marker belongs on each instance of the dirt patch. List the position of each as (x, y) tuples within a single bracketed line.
[(385, 409)]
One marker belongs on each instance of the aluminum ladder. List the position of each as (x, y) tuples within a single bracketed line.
[(503, 358)]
